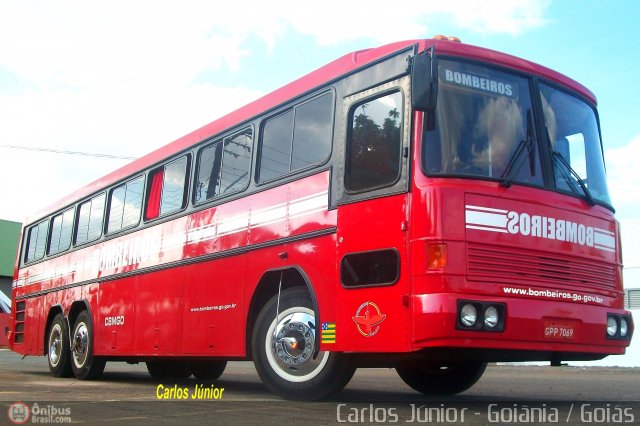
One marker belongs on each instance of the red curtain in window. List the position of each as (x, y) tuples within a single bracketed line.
[(153, 204)]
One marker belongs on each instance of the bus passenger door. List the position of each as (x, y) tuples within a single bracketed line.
[(371, 187)]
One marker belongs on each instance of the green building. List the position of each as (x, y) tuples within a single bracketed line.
[(9, 240)]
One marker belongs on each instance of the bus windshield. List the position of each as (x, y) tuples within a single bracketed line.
[(482, 117), (485, 128), (573, 134)]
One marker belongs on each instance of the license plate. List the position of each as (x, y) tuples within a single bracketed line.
[(559, 330)]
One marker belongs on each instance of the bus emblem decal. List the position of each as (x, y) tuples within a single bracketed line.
[(368, 318)]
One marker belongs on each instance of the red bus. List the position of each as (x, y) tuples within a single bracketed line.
[(426, 205)]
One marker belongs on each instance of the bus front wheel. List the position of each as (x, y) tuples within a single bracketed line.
[(58, 349), (207, 370), (442, 378), (85, 366), (284, 352)]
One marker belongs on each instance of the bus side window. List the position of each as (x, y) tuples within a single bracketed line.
[(37, 241), (375, 141), (125, 204), (167, 192), (89, 220), (224, 171), (298, 138), (61, 231)]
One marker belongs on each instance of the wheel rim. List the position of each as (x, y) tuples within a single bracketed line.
[(55, 345), (80, 344), (290, 345)]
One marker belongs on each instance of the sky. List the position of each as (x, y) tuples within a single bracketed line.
[(123, 78)]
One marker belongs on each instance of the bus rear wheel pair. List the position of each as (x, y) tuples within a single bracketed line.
[(72, 353)]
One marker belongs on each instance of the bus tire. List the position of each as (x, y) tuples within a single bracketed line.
[(84, 364), (58, 348), (208, 370), (442, 378), (169, 369), (285, 358)]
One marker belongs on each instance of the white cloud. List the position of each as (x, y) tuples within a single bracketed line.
[(95, 121), (121, 77), (622, 172), (123, 43)]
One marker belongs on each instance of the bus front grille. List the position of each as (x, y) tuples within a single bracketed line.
[(516, 265)]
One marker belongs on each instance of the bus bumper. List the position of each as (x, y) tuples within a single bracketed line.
[(528, 327)]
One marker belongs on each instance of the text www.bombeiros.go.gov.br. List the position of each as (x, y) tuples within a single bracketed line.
[(553, 294)]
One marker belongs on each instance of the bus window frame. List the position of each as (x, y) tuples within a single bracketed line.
[(78, 205), (106, 231), (211, 142), (26, 260), (349, 131), (283, 109), (188, 154), (49, 253)]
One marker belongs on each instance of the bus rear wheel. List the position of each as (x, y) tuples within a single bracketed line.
[(84, 364), (284, 352), (442, 378), (58, 348)]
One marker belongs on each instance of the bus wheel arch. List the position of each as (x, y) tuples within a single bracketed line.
[(284, 355), (292, 276)]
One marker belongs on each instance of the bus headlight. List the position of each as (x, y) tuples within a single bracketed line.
[(624, 327), (491, 317), (612, 326), (468, 315)]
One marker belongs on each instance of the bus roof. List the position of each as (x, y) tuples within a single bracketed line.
[(332, 70)]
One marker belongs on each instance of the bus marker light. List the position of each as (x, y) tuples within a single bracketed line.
[(436, 256)]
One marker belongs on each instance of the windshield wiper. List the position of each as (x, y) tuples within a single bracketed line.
[(528, 144), (587, 194)]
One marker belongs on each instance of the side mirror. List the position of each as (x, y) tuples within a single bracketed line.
[(424, 82)]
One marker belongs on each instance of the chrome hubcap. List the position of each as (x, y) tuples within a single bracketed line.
[(290, 345), (295, 339), (80, 344), (55, 345)]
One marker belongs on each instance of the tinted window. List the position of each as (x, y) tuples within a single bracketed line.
[(173, 186), (125, 205), (297, 138), (224, 171), (236, 161), (275, 154), (370, 268), (37, 241), (312, 132), (90, 215), (61, 230), (373, 152)]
